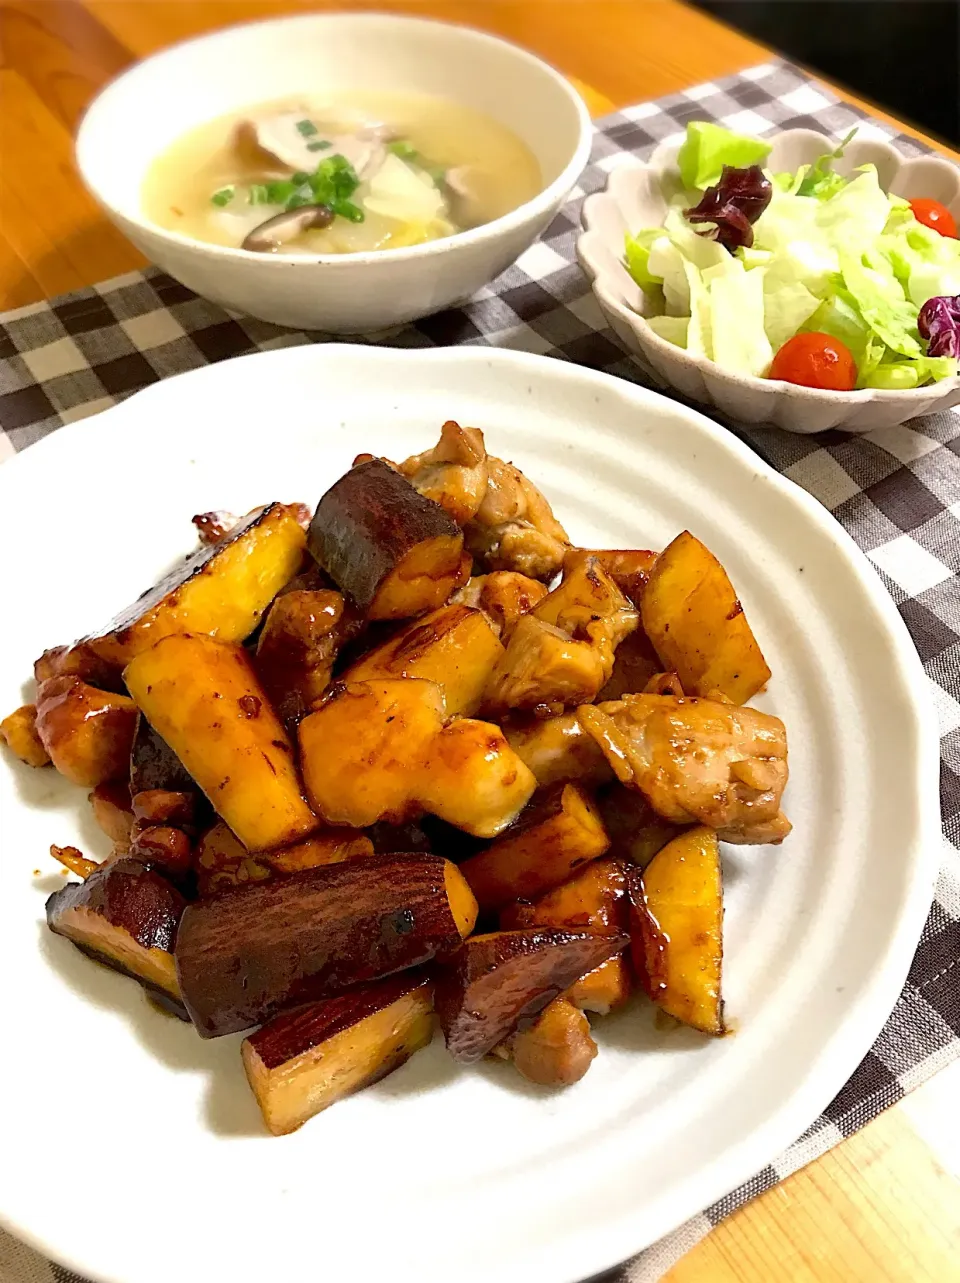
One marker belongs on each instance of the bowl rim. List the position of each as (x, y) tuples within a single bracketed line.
[(540, 203), (648, 337)]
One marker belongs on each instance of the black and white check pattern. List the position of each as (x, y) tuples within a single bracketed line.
[(897, 491)]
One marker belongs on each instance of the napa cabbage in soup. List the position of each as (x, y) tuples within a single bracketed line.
[(366, 171)]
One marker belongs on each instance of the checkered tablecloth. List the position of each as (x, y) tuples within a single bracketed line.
[(897, 491)]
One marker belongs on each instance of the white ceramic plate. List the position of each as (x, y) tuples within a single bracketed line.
[(132, 1149)]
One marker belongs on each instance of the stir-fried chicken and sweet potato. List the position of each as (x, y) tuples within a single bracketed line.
[(329, 746)]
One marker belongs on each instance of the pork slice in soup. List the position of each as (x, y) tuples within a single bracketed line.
[(362, 172)]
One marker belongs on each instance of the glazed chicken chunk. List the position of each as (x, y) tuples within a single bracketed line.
[(562, 652), (503, 597), (515, 528), (452, 474), (698, 761)]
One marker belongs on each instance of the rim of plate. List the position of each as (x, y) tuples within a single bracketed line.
[(584, 1251)]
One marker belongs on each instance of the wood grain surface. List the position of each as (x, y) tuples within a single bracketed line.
[(880, 1208)]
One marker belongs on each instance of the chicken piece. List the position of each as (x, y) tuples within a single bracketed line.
[(588, 605), (515, 528), (628, 568), (633, 666), (398, 755), (563, 651), (504, 597), (221, 861), (698, 761), (558, 749), (452, 474), (302, 636), (88, 733), (112, 811), (19, 733), (556, 1050), (79, 660), (212, 526), (543, 668)]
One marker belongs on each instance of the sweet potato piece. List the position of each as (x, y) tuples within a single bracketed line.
[(303, 1061), (124, 915), (454, 646), (676, 919), (19, 733), (503, 596), (251, 951), (473, 779), (557, 749), (393, 552), (636, 831), (563, 832), (203, 698), (692, 615), (396, 757), (113, 812), (154, 764), (221, 861), (222, 589), (88, 733), (497, 982), (594, 900), (302, 636), (557, 1049)]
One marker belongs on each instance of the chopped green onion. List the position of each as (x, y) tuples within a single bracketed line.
[(300, 177), (306, 128), (404, 149), (437, 173), (347, 209), (258, 194), (223, 197), (280, 191), (321, 144), (302, 196)]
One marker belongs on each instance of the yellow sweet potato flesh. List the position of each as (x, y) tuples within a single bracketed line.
[(294, 1090), (423, 580), (676, 929), (456, 647), (202, 696), (694, 618), (539, 855), (226, 597), (19, 733), (594, 899)]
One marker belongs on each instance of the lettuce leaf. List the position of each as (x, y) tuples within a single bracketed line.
[(637, 256), (708, 147), (671, 328), (881, 301), (739, 340)]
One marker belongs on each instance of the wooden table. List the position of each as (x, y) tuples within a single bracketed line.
[(880, 1208)]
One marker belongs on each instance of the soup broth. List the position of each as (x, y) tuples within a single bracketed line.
[(358, 172)]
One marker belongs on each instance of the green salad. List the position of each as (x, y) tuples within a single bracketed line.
[(808, 276)]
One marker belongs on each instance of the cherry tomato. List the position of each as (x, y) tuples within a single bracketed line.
[(932, 214), (815, 361)]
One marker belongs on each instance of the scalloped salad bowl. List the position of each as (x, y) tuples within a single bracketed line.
[(636, 196)]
